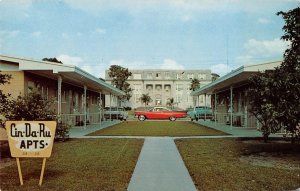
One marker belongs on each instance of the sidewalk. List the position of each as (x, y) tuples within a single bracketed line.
[(234, 131), (80, 132), (160, 167)]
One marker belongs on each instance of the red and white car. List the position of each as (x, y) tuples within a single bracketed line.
[(160, 113)]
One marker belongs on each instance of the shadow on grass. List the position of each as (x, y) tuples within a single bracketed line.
[(275, 146)]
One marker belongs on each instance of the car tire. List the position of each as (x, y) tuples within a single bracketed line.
[(197, 118), (142, 117), (172, 118)]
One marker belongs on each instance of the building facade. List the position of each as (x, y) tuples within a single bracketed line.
[(229, 95), (78, 96), (162, 85)]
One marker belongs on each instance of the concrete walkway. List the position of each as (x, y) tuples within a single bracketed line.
[(160, 167), (80, 132), (234, 131)]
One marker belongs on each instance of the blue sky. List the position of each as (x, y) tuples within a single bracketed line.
[(168, 34)]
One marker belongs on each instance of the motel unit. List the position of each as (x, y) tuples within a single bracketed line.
[(79, 97), (229, 99)]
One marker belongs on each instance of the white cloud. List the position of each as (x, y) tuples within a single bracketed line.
[(262, 50), (265, 47), (220, 69), (36, 34), (96, 70), (128, 64), (180, 5), (264, 21), (171, 64), (100, 31), (65, 35), (20, 4), (187, 18), (9, 34), (71, 60)]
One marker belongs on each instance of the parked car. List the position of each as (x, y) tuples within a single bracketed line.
[(160, 113), (200, 112), (115, 113)]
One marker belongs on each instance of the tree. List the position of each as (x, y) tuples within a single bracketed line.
[(195, 84), (4, 98), (119, 75), (30, 107), (289, 73), (214, 76), (33, 107), (52, 60), (170, 102), (145, 98), (263, 101)]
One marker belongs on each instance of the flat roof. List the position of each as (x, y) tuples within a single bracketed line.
[(237, 76), (70, 74)]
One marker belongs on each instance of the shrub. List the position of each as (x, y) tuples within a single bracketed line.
[(62, 131)]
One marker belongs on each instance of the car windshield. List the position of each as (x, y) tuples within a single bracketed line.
[(110, 109), (159, 109)]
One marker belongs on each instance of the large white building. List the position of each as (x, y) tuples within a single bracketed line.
[(162, 85)]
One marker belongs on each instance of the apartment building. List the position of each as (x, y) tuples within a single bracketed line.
[(162, 85), (78, 96), (229, 101)]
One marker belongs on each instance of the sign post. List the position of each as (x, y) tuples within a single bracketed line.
[(30, 139)]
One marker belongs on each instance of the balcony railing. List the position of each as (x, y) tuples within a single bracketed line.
[(79, 118)]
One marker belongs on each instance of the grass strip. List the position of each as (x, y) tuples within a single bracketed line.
[(78, 164)]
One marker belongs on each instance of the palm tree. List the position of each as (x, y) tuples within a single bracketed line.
[(214, 76), (195, 84), (170, 102), (145, 98)]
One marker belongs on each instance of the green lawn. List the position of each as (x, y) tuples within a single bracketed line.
[(232, 164), (79, 164), (157, 128)]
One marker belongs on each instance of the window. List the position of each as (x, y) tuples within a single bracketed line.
[(167, 75), (137, 87), (190, 76), (137, 76), (158, 75), (76, 103), (158, 87), (201, 76), (149, 87), (30, 86), (179, 87), (201, 99), (137, 98), (178, 98), (64, 96), (149, 76)]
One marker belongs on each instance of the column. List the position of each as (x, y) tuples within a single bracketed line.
[(215, 109), (205, 107), (100, 107), (110, 106), (59, 83), (231, 106), (246, 110), (84, 105)]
